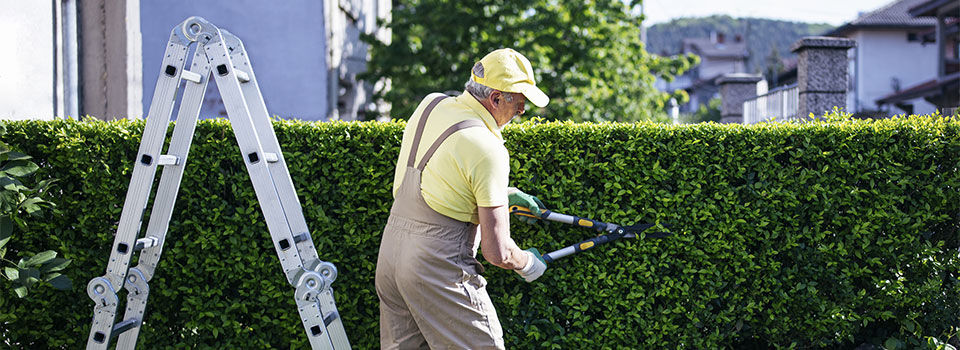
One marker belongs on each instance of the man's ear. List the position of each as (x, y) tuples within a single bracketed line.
[(495, 98)]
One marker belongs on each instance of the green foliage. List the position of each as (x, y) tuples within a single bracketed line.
[(813, 235), (762, 36), (16, 201), (587, 55), (709, 112)]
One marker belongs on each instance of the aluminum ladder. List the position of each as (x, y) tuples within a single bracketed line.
[(221, 54)]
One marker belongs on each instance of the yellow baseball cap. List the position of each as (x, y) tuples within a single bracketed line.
[(507, 70)]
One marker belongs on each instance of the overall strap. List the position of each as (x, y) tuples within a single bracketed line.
[(469, 123), (420, 126)]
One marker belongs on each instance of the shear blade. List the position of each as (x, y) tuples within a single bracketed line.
[(633, 231)]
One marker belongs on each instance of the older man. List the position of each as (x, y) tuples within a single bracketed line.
[(451, 177)]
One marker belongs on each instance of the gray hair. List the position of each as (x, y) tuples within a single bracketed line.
[(481, 91)]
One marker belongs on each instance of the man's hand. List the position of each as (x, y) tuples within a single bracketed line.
[(535, 265), (517, 197)]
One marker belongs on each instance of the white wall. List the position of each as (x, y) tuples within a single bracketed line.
[(885, 55), (715, 67), (27, 70)]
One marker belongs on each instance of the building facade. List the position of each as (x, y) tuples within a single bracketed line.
[(943, 90), (885, 39), (719, 55)]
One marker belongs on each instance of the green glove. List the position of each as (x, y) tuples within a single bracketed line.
[(535, 266), (517, 197)]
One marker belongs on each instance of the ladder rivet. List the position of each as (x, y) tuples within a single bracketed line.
[(312, 283), (132, 278), (99, 289)]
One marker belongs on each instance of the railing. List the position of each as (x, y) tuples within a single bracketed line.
[(776, 105)]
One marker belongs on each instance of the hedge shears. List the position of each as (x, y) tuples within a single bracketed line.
[(613, 231)]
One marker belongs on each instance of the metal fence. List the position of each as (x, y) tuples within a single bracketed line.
[(776, 105)]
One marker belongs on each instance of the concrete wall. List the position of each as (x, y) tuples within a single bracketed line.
[(110, 66), (882, 56), (285, 43), (27, 68)]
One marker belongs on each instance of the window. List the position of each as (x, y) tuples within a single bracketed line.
[(913, 37)]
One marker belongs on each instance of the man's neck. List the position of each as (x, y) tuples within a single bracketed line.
[(487, 104)]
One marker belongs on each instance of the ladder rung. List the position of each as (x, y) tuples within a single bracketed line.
[(191, 76), (329, 318), (124, 326), (242, 76), (271, 157), (300, 238), (145, 242), (167, 159)]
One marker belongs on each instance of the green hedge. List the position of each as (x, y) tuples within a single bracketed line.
[(817, 235)]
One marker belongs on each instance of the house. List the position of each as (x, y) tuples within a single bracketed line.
[(102, 57), (944, 89), (886, 38), (718, 55)]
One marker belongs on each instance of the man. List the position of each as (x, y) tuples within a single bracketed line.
[(451, 177)]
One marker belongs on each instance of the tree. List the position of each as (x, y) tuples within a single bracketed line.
[(18, 200), (587, 55)]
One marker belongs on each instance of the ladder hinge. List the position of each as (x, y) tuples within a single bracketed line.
[(242, 76), (333, 316), (271, 157), (191, 76), (145, 243), (124, 326), (301, 237), (167, 159)]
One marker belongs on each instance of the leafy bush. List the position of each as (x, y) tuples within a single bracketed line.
[(816, 235), (18, 200)]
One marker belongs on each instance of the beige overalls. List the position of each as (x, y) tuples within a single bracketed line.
[(428, 278)]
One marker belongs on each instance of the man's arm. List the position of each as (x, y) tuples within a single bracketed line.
[(495, 243)]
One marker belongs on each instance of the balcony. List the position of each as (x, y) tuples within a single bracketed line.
[(779, 104)]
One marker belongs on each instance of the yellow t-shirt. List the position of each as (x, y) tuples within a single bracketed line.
[(469, 170)]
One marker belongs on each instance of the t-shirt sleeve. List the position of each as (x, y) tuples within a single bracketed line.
[(489, 177)]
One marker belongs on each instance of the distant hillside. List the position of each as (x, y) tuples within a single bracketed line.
[(761, 35)]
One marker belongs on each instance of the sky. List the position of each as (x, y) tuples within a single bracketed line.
[(834, 12)]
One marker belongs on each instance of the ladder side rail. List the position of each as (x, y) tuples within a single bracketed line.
[(254, 158), (309, 287), (307, 282), (281, 175), (338, 334), (138, 290), (103, 289), (145, 165), (172, 175), (333, 325)]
